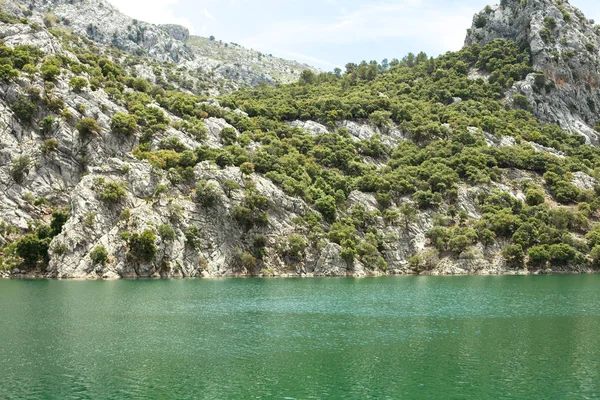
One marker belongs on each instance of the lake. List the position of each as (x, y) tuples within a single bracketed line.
[(509, 337)]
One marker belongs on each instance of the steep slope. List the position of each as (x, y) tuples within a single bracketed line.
[(564, 48), (417, 167), (227, 66)]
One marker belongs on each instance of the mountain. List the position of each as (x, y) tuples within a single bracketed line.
[(203, 65), (112, 164), (564, 48)]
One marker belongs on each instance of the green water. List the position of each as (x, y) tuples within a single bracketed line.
[(385, 338)]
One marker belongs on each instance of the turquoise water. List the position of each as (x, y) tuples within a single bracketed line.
[(383, 338)]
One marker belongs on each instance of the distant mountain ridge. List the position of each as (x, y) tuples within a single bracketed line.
[(224, 66)]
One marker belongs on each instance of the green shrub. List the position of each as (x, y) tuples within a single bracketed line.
[(207, 193), (50, 70), (20, 168), (24, 109), (99, 255), (327, 207), (123, 124), (166, 233), (142, 248), (112, 192), (87, 126), (78, 84)]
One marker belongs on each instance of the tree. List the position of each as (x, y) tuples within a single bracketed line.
[(409, 213), (230, 186), (207, 193), (538, 256), (141, 246), (99, 255), (47, 125), (113, 192), (166, 233), (296, 245), (123, 124), (561, 253), (24, 109), (20, 168), (50, 70), (514, 255), (87, 126), (327, 207), (247, 168), (32, 249), (78, 84)]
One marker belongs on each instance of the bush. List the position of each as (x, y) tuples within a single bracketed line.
[(49, 146), (141, 246), (166, 233), (123, 124), (99, 255), (426, 260), (78, 84), (20, 168), (538, 256), (296, 245), (207, 193), (47, 125), (50, 70), (113, 192), (247, 168), (514, 255), (86, 126), (228, 136), (327, 207), (24, 109), (33, 249), (561, 253), (535, 196)]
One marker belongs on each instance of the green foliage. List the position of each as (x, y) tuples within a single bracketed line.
[(50, 69), (33, 250), (123, 124), (327, 207), (24, 109), (99, 255), (110, 192), (207, 193), (142, 248), (78, 84), (166, 233), (20, 168), (87, 126), (514, 255), (296, 245)]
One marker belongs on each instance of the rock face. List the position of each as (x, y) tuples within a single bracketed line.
[(218, 66), (564, 51), (207, 240)]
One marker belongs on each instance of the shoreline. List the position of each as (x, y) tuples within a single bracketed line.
[(115, 277)]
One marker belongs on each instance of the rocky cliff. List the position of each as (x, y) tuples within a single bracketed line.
[(203, 64), (108, 171), (564, 47)]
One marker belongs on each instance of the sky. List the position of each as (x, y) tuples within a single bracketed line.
[(326, 33)]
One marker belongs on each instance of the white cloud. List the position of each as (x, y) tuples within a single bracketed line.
[(208, 15), (153, 11)]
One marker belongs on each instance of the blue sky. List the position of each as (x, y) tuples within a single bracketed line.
[(326, 33)]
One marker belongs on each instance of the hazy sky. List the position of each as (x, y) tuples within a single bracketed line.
[(326, 33)]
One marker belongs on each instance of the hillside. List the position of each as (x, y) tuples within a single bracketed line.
[(447, 165), (162, 53)]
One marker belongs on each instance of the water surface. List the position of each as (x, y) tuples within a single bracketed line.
[(383, 338)]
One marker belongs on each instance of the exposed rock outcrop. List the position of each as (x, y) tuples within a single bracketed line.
[(564, 45)]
